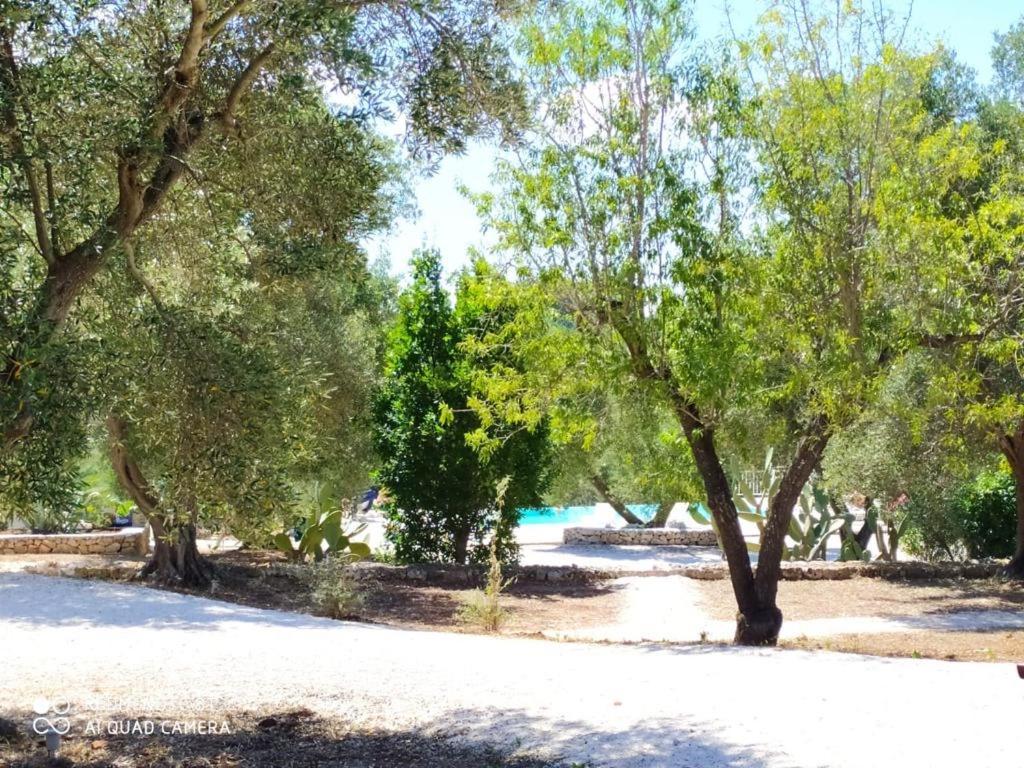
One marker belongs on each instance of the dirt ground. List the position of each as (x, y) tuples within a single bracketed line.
[(872, 597), (997, 645), (879, 597), (297, 739)]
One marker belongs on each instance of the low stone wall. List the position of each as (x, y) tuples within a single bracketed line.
[(474, 575), (837, 571), (124, 541), (646, 536)]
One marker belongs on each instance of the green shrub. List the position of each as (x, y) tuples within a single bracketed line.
[(935, 531), (42, 518), (482, 607), (335, 592), (987, 512)]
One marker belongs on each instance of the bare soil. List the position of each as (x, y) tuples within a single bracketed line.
[(997, 645), (872, 597), (297, 739)]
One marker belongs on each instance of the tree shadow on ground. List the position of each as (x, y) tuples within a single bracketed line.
[(992, 589), (302, 739)]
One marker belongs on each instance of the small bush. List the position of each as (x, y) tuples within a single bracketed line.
[(987, 511), (335, 592), (483, 607)]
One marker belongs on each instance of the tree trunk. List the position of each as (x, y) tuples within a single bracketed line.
[(753, 622), (759, 619), (867, 529), (602, 487), (661, 515), (461, 545), (175, 558), (780, 512), (1012, 446)]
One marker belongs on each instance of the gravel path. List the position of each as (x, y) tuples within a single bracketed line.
[(118, 647)]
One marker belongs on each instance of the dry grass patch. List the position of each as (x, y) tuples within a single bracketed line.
[(998, 645)]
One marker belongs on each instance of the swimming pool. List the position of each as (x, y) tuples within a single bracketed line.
[(575, 515)]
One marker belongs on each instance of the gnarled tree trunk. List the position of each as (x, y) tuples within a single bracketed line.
[(1012, 446), (602, 487), (175, 558)]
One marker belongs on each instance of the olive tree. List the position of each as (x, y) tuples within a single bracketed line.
[(105, 106)]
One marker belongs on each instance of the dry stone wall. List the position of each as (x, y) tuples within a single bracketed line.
[(645, 536), (124, 541), (475, 575)]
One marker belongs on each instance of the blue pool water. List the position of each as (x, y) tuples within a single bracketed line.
[(573, 515)]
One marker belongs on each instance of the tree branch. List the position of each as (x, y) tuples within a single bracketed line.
[(183, 77), (217, 25), (10, 80), (227, 117), (140, 277), (129, 476)]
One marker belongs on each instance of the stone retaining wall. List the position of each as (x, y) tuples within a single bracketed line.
[(124, 541), (474, 575), (647, 536)]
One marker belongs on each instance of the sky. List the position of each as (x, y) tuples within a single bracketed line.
[(446, 220)]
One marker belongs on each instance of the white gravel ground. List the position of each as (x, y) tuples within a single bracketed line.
[(153, 653)]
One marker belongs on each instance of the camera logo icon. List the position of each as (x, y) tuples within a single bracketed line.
[(52, 716)]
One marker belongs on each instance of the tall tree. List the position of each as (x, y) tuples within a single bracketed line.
[(636, 198), (978, 229), (229, 386), (102, 110)]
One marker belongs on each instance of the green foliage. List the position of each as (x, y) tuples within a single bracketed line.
[(322, 533), (441, 488), (850, 549), (987, 514), (1008, 63), (52, 519), (335, 592), (40, 477), (893, 523), (181, 241), (322, 536), (702, 516)]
